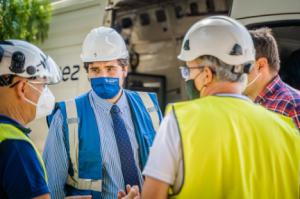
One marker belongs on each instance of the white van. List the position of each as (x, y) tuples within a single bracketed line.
[(154, 31)]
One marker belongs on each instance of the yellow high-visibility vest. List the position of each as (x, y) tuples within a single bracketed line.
[(235, 149), (8, 131)]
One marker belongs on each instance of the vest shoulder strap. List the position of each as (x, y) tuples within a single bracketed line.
[(73, 124), (10, 132), (151, 109)]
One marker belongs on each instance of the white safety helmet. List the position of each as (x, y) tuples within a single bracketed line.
[(103, 44), (26, 60), (221, 37)]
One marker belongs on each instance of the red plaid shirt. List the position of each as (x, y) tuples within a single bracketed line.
[(281, 98)]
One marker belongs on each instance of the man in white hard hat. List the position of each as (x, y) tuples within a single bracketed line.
[(99, 141), (221, 145), (25, 72)]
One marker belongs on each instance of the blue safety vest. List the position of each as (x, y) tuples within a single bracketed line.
[(82, 138)]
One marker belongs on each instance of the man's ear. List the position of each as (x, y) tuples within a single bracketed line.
[(208, 76), (262, 63), (20, 89)]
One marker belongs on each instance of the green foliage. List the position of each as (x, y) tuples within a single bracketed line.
[(25, 19)]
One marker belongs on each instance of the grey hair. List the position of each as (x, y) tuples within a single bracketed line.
[(223, 71)]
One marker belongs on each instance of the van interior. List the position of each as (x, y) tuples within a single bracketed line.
[(153, 31)]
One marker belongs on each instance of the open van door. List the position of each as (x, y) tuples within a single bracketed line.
[(283, 17)]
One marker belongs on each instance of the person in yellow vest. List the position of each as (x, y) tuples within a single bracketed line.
[(25, 72), (221, 145)]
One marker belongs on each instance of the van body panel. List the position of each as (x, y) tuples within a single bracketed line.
[(71, 22), (260, 11)]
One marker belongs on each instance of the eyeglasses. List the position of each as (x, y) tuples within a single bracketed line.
[(186, 71)]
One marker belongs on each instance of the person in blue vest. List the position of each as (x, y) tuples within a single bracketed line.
[(99, 142), (25, 72)]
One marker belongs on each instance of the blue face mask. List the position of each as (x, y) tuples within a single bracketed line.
[(105, 87)]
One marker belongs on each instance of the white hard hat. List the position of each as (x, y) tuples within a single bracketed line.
[(26, 60), (103, 44), (221, 37)]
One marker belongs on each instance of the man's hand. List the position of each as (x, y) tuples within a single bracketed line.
[(133, 193)]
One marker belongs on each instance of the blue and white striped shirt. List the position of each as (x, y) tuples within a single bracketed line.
[(55, 155)]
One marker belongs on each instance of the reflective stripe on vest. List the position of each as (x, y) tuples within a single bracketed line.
[(75, 181), (149, 105), (8, 131)]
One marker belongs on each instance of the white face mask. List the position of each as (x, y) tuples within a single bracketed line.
[(45, 103), (250, 83)]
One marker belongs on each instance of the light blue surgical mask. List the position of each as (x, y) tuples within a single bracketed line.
[(106, 87)]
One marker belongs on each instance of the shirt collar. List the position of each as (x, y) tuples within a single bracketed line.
[(7, 120), (105, 105), (122, 103), (270, 89), (234, 95)]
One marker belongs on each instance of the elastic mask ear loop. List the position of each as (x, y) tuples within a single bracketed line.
[(196, 76), (250, 83), (205, 85), (29, 101), (35, 88), (200, 91)]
